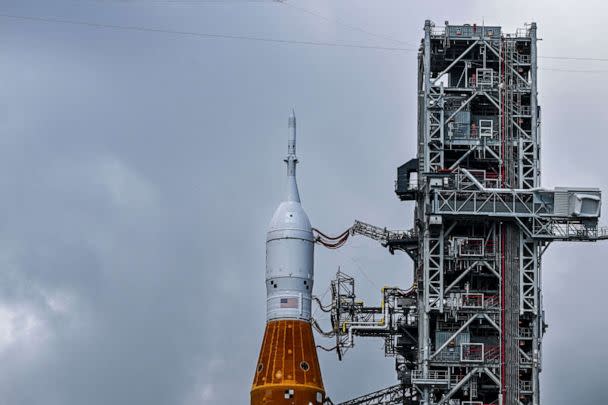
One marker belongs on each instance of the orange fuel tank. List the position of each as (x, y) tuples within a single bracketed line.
[(288, 368)]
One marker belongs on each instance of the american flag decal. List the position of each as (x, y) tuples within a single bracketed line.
[(289, 302)]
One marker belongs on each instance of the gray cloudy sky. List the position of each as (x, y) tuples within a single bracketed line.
[(139, 170)]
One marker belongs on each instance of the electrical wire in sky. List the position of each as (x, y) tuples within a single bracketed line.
[(271, 40), (201, 34), (341, 23)]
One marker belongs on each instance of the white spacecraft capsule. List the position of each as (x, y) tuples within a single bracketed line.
[(289, 249)]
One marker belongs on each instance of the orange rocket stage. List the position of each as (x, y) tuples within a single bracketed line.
[(288, 368)]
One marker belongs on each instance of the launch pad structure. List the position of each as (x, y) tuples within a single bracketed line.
[(469, 330)]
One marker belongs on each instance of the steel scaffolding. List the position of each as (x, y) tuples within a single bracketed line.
[(469, 331)]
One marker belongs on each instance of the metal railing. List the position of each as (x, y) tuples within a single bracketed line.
[(522, 58), (395, 394), (522, 33), (572, 231), (525, 386), (437, 31), (433, 375), (525, 333), (522, 110)]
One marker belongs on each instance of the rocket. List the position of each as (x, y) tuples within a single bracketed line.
[(288, 369)]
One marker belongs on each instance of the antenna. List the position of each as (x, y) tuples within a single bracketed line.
[(292, 160)]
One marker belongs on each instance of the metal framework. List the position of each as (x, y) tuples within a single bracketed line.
[(470, 329), (396, 394)]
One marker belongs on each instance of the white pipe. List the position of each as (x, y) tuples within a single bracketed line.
[(381, 325), (499, 190)]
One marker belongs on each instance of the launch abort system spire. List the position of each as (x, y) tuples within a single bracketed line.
[(292, 160)]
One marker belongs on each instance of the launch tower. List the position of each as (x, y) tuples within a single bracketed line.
[(469, 330)]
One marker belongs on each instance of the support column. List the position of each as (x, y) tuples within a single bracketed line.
[(534, 103)]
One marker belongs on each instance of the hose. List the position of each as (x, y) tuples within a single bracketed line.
[(331, 237), (331, 242), (327, 349), (324, 308), (321, 331)]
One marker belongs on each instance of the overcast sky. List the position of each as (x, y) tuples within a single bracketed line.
[(139, 170)]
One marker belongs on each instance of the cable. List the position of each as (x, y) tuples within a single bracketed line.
[(178, 2), (324, 308), (574, 58), (331, 242), (574, 71), (319, 301), (336, 245), (327, 349), (262, 39), (343, 24), (317, 327), (200, 34), (314, 13), (362, 271), (331, 237), (283, 2)]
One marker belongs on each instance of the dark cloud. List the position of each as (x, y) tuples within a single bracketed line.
[(139, 171)]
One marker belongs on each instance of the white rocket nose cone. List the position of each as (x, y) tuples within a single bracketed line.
[(290, 216)]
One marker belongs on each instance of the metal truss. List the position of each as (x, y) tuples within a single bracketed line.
[(433, 271), (470, 329), (529, 269), (393, 319), (394, 395), (406, 241)]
